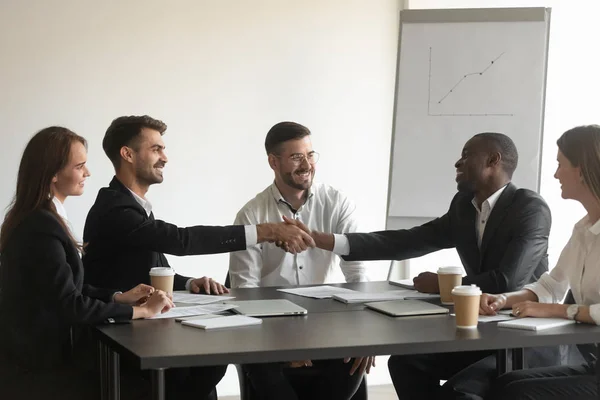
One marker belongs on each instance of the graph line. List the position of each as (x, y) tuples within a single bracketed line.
[(467, 75), (480, 73)]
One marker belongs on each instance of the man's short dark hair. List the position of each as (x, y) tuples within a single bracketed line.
[(282, 132), (506, 147), (124, 131)]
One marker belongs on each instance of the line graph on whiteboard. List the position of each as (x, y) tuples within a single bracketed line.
[(439, 102)]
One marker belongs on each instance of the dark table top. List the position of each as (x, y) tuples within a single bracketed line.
[(319, 335)]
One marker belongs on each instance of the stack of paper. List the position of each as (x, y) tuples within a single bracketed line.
[(194, 310), (231, 321), (191, 298), (317, 292), (403, 283)]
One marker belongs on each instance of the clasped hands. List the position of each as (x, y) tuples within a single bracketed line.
[(490, 304), (293, 236)]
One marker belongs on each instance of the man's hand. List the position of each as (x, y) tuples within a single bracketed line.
[(427, 282), (207, 286), (293, 239), (491, 303), (362, 364), (539, 310), (300, 364), (137, 295)]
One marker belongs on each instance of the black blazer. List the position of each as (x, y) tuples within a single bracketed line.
[(123, 242), (513, 250), (42, 294)]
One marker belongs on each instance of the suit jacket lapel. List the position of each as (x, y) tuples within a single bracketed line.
[(471, 249), (497, 215)]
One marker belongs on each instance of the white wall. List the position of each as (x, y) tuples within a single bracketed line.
[(220, 73), (571, 99)]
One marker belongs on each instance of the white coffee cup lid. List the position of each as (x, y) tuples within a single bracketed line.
[(162, 271), (450, 270), (472, 290)]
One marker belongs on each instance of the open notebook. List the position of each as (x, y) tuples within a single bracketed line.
[(535, 324)]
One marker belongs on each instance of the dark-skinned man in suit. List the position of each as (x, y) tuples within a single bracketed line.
[(501, 235)]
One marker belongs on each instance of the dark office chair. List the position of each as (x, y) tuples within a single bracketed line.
[(247, 391)]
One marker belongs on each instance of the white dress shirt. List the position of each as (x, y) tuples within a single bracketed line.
[(578, 268), (341, 245), (483, 214), (265, 264)]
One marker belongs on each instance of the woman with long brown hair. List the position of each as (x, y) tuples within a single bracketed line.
[(42, 296), (578, 269)]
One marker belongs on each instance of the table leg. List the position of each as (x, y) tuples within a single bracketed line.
[(597, 368), (501, 361), (102, 368), (113, 373), (158, 384), (518, 359)]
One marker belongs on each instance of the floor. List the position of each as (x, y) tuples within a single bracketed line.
[(379, 392)]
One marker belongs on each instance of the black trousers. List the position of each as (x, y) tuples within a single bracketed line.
[(195, 383), (468, 375), (552, 383), (326, 379)]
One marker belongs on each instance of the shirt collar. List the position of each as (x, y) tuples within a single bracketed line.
[(492, 200), (60, 208), (584, 223), (279, 198), (146, 205)]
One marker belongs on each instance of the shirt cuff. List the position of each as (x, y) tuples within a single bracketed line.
[(188, 284), (341, 245), (113, 296), (251, 235)]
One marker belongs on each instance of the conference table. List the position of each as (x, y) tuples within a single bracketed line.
[(330, 329)]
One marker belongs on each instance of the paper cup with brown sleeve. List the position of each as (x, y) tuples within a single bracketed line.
[(448, 278), (162, 278), (466, 306)]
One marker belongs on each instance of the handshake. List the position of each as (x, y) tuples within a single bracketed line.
[(291, 235)]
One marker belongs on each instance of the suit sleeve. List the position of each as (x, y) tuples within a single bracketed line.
[(524, 252), (404, 243), (53, 279), (129, 227), (245, 266), (105, 295)]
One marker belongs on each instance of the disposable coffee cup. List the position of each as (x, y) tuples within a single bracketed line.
[(448, 279), (162, 279), (466, 306)]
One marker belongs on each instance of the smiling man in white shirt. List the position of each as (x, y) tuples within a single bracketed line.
[(320, 207)]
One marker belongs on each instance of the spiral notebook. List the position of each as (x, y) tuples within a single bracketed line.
[(535, 324)]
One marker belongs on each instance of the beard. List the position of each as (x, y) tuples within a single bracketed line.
[(288, 179), (149, 176)]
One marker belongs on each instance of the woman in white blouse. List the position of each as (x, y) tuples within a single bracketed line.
[(578, 269)]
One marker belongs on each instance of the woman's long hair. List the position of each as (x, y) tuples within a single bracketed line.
[(46, 154)]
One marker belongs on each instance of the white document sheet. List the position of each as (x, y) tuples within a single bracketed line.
[(191, 298), (317, 292), (195, 310)]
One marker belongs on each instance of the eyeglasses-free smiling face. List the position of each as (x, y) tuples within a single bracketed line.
[(70, 181), (295, 163)]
